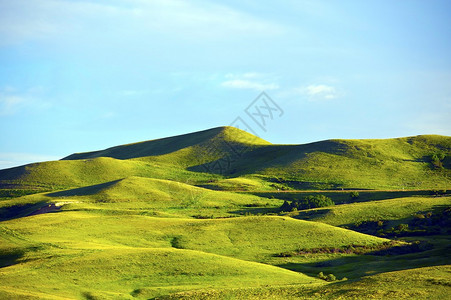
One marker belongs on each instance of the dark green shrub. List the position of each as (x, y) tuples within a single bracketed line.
[(437, 159), (354, 195), (403, 227), (322, 276), (306, 203), (331, 277)]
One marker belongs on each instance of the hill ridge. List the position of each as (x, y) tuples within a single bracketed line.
[(166, 145), (207, 156)]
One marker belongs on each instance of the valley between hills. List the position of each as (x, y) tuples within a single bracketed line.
[(223, 214)]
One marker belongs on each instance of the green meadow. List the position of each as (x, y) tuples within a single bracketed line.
[(203, 216)]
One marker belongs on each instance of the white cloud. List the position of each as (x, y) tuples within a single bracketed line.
[(321, 91), (250, 80), (10, 159), (13, 101), (317, 92)]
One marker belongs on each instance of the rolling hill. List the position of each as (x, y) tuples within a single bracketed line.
[(202, 158), (199, 216)]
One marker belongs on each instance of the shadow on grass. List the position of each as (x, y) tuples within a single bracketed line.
[(10, 258), (84, 191), (20, 210), (357, 266), (256, 211), (312, 214), (433, 221), (341, 197)]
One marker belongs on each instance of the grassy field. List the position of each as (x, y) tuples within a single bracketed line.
[(198, 216)]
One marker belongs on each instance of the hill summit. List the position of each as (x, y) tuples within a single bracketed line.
[(167, 145), (207, 158)]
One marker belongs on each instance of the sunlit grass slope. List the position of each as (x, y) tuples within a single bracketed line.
[(420, 283), (373, 164), (208, 138), (126, 273), (391, 209), (139, 195), (250, 238), (165, 158), (76, 173), (80, 253), (389, 163)]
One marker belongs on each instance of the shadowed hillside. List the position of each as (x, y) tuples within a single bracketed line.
[(201, 158)]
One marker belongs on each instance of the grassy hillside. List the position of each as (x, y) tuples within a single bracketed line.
[(119, 255), (418, 283), (138, 195), (205, 157), (391, 209), (124, 273), (220, 140), (391, 163), (171, 218), (65, 174), (245, 237)]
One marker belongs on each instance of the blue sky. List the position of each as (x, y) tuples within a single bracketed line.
[(81, 75)]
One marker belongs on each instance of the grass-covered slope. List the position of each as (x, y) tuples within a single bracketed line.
[(55, 175), (242, 237), (137, 195), (90, 254), (127, 273), (400, 209), (215, 139), (390, 163), (162, 218), (204, 157), (419, 283)]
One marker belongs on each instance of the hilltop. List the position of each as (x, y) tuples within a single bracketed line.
[(209, 157), (218, 138)]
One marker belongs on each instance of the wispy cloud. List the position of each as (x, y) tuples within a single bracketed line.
[(316, 92), (24, 20), (10, 104), (321, 91), (251, 80), (13, 101)]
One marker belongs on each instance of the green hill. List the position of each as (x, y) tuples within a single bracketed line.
[(400, 209), (202, 158), (124, 273), (220, 140), (373, 164), (198, 216), (138, 195), (118, 255)]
